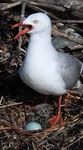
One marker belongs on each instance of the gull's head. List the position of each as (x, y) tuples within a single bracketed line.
[(35, 23)]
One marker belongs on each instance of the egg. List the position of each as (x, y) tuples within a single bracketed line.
[(31, 126)]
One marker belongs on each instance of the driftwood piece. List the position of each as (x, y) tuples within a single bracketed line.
[(4, 6), (36, 5), (68, 21), (78, 40), (51, 6), (48, 5), (75, 6), (37, 8)]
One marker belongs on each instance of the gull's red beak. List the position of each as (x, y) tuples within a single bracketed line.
[(28, 27)]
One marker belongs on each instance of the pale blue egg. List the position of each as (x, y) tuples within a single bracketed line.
[(31, 126)]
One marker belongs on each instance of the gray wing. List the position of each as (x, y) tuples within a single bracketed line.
[(70, 68)]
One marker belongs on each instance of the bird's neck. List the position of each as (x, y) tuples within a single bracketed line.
[(41, 37), (40, 47)]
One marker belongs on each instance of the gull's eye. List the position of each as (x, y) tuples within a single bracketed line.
[(35, 21)]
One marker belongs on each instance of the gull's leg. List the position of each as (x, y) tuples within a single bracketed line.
[(57, 119)]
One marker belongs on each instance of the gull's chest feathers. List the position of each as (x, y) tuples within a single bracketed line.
[(39, 70)]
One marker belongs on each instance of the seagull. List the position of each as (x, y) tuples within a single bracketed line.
[(44, 69)]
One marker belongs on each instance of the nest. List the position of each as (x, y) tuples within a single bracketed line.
[(18, 103)]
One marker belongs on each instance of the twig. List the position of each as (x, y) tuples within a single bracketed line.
[(4, 122), (3, 60), (1, 51), (76, 47), (5, 128), (48, 5), (9, 105), (23, 51), (73, 143), (11, 5), (68, 21), (76, 28), (59, 131), (22, 18), (34, 146), (78, 40), (37, 8)]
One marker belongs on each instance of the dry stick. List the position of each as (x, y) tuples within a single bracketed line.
[(68, 21), (46, 132), (5, 128), (34, 146), (4, 59), (78, 40), (76, 47), (11, 5), (5, 122), (36, 8), (10, 105), (59, 131), (73, 143), (55, 32), (59, 8), (22, 18), (48, 5), (76, 28)]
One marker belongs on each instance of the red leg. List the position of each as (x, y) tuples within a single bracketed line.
[(57, 119)]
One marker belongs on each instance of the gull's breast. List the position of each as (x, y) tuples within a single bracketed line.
[(42, 77)]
